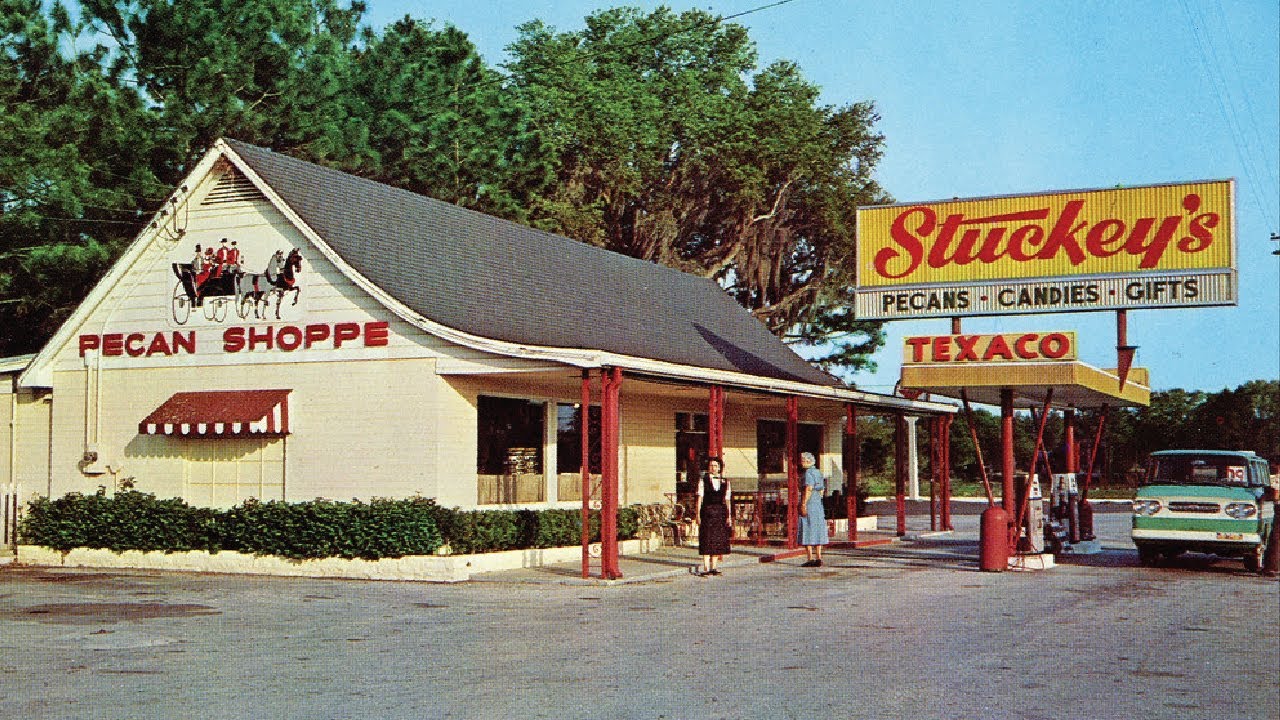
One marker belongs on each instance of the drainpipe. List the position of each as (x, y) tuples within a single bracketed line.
[(13, 433)]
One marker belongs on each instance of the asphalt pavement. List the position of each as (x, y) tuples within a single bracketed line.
[(907, 629)]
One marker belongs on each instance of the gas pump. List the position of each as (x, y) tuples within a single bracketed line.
[(1063, 494), (1063, 533)]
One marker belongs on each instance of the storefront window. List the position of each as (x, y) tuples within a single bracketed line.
[(569, 438), (509, 460), (691, 449), (771, 443), (569, 449)]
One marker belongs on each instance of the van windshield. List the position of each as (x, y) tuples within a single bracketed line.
[(1198, 470)]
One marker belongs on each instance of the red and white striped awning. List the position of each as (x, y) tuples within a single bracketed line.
[(221, 413)]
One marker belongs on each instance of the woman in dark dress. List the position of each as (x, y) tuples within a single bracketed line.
[(713, 517)]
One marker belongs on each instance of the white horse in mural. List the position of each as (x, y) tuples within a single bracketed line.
[(255, 290)]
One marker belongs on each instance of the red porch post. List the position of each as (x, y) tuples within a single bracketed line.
[(611, 380), (946, 471), (935, 468), (585, 428), (1069, 435), (851, 469), (793, 471), (715, 422)]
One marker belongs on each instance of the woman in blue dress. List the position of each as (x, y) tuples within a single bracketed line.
[(813, 519)]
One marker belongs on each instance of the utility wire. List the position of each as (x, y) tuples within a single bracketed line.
[(651, 40), (1213, 68)]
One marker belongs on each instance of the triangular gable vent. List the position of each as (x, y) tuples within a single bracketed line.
[(233, 187)]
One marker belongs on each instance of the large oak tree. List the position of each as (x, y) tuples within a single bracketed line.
[(672, 145)]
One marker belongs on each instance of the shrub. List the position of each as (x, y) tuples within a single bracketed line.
[(319, 528), (129, 521)]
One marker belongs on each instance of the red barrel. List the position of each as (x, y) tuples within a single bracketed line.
[(993, 540), (1086, 520)]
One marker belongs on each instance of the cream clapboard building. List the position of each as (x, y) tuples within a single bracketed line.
[(286, 331)]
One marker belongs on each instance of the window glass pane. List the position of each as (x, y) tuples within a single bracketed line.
[(771, 443), (569, 438), (692, 441), (510, 436)]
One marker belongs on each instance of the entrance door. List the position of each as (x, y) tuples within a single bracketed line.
[(692, 441)]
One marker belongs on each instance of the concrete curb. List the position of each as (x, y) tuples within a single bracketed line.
[(420, 568)]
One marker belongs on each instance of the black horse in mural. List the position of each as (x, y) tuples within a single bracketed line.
[(215, 291)]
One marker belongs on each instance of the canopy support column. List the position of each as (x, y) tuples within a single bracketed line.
[(935, 471), (793, 471), (913, 458), (851, 469), (946, 472), (900, 470), (584, 426), (715, 422), (611, 380), (1007, 500)]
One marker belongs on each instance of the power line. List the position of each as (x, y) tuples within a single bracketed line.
[(85, 220), (651, 40), (1226, 103)]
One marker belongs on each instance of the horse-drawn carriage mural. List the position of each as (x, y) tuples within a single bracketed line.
[(215, 283)]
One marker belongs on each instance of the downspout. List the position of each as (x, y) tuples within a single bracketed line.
[(159, 232), (48, 460), (13, 433)]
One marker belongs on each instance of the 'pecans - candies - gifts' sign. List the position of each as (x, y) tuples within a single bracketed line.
[(1139, 247)]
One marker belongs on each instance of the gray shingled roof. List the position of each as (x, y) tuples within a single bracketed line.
[(498, 279)]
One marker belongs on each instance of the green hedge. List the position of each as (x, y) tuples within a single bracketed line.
[(316, 529)]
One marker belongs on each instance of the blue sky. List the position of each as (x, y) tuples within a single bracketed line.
[(983, 98)]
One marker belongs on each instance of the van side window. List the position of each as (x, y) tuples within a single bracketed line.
[(1260, 475)]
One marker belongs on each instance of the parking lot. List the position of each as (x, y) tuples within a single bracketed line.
[(911, 629)]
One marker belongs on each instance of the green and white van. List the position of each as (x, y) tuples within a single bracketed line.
[(1210, 501)]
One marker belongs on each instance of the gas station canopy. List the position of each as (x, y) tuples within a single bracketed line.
[(1074, 383)]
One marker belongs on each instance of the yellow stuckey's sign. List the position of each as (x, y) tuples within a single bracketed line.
[(1078, 250)]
